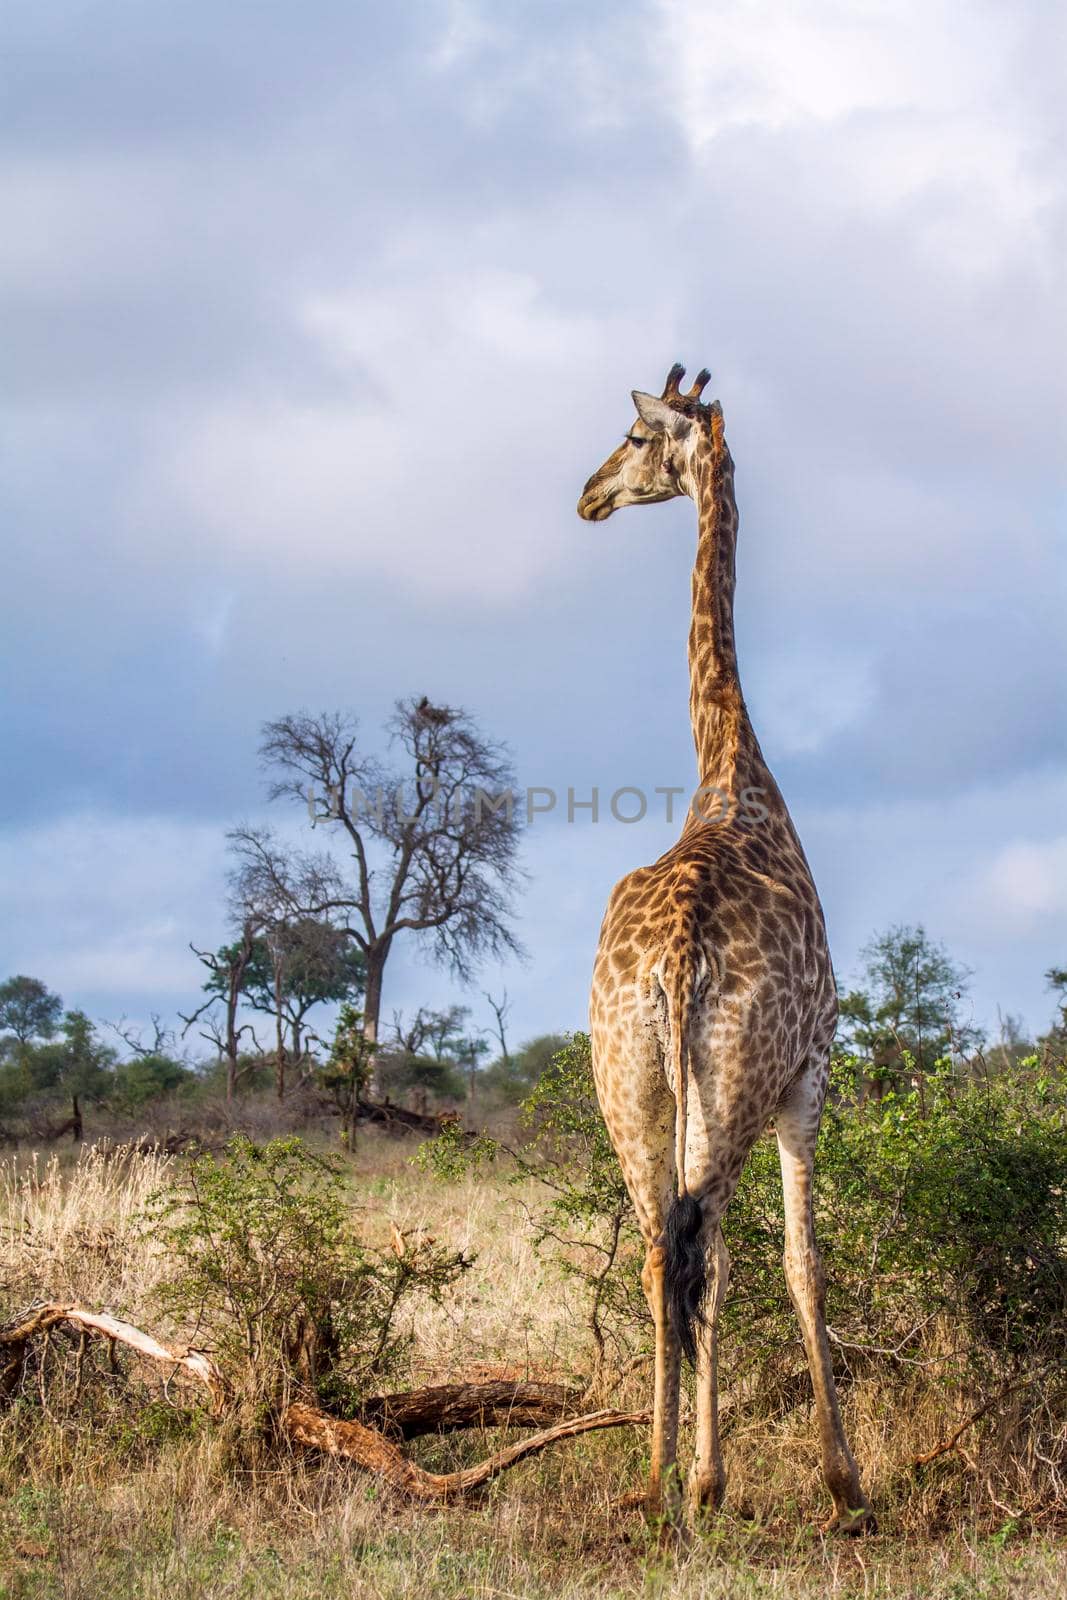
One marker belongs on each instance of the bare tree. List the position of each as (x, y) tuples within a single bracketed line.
[(163, 1038), (469, 1053), (441, 1031), (501, 1009), (409, 1036), (279, 893), (228, 966), (1056, 979), (431, 844)]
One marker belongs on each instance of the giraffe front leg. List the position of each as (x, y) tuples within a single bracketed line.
[(806, 1280), (707, 1476), (664, 1497)]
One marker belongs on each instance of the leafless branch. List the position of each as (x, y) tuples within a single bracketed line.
[(501, 1009), (426, 856), (306, 1425)]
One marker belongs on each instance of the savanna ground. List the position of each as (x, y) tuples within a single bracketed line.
[(115, 1483)]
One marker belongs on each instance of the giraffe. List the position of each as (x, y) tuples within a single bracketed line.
[(713, 1001)]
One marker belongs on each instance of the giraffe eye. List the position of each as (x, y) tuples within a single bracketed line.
[(633, 439)]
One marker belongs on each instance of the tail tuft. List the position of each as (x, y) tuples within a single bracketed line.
[(686, 1271)]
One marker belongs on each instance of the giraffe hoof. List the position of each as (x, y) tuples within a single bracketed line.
[(665, 1517), (860, 1521), (706, 1496), (674, 1537), (662, 1513)]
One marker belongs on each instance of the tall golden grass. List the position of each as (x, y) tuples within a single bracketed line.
[(114, 1484)]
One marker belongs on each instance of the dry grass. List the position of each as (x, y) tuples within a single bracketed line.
[(69, 1227), (138, 1496)]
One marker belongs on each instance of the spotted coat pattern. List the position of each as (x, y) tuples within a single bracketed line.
[(713, 1002)]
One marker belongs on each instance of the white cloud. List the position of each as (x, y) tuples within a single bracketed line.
[(438, 472), (381, 326), (1023, 889), (985, 870), (466, 33), (927, 107), (808, 693), (106, 905)]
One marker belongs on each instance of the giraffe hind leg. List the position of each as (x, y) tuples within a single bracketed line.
[(797, 1125), (664, 1497), (707, 1477)]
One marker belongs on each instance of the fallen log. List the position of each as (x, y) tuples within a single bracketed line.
[(35, 1131), (194, 1363), (398, 1119), (171, 1144), (368, 1448), (440, 1408), (502, 1403)]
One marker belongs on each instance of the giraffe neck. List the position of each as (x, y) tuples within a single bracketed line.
[(728, 755)]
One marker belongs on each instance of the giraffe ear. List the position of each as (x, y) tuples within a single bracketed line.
[(660, 417)]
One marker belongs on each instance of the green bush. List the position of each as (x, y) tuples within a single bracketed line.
[(398, 1073), (942, 1205), (512, 1081), (146, 1078), (269, 1267), (55, 1068), (951, 1198)]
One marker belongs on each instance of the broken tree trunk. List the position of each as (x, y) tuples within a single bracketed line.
[(503, 1403), (195, 1363), (497, 1404), (370, 1449), (398, 1119)]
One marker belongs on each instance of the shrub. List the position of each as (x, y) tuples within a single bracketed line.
[(511, 1081), (944, 1204), (951, 1198), (148, 1077), (398, 1073), (347, 1071), (267, 1262)]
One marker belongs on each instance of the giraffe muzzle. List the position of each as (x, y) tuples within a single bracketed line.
[(595, 508)]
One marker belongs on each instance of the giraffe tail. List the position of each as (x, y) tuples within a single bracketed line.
[(686, 1263)]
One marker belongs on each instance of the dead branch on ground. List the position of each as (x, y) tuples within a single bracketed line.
[(372, 1450), (441, 1408), (502, 1403), (39, 1319), (943, 1446)]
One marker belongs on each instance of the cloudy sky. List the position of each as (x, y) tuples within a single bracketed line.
[(317, 317)]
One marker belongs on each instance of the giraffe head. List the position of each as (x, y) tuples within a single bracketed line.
[(652, 462)]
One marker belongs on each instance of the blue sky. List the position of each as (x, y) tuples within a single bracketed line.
[(317, 318)]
